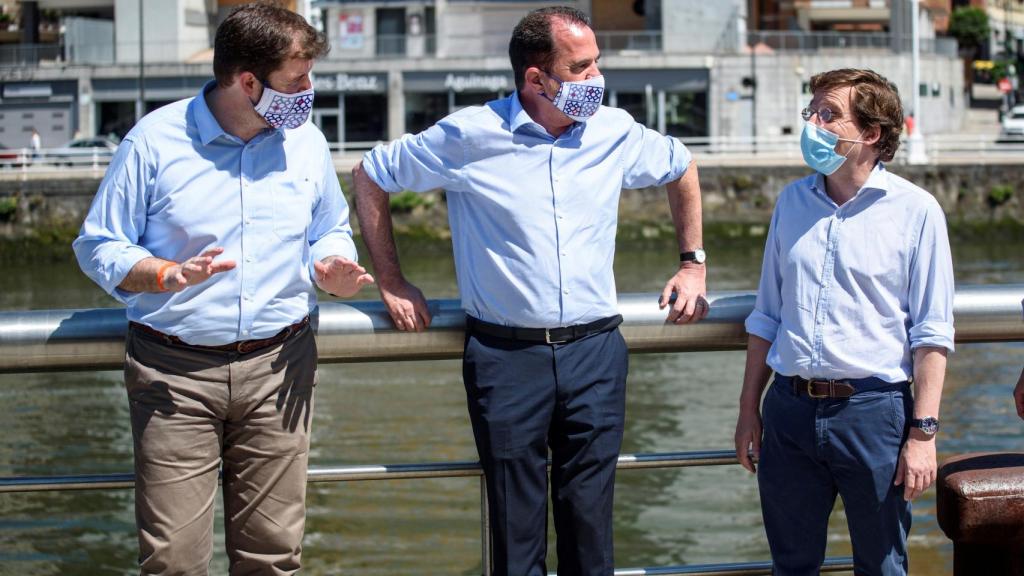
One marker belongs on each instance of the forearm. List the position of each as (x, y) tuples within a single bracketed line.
[(756, 373), (143, 276), (929, 375), (684, 202), (375, 223)]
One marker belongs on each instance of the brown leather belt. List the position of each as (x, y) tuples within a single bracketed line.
[(822, 388), (242, 346)]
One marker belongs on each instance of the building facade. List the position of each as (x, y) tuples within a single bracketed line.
[(689, 68)]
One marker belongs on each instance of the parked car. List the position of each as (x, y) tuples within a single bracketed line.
[(1012, 128), (9, 157), (80, 151)]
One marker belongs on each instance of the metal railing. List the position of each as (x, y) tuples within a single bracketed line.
[(798, 41), (52, 340)]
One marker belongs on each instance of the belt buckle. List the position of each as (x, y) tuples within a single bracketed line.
[(810, 389), (548, 340)]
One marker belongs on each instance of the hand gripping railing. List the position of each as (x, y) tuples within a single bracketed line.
[(50, 340)]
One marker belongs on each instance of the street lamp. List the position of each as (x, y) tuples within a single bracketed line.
[(915, 142)]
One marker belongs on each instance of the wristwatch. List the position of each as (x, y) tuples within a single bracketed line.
[(697, 256), (929, 425)]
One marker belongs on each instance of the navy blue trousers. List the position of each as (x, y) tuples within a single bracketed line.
[(813, 449), (525, 399)]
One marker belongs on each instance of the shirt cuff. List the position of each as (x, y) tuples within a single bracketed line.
[(130, 256), (374, 164), (324, 247), (761, 325), (932, 334)]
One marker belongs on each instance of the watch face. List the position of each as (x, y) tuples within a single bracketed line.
[(699, 256), (927, 425)]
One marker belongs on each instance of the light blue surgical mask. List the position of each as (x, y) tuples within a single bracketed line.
[(819, 148)]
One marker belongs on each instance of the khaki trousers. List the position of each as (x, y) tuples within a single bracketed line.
[(196, 411)]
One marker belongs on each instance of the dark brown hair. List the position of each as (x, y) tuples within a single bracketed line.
[(259, 38), (874, 102), (532, 43)]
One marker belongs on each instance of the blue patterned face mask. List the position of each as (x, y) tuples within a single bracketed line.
[(579, 100), (284, 110), (819, 149)]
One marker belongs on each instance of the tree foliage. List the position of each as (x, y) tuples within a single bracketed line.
[(969, 25)]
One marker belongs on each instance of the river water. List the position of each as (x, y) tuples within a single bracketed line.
[(404, 412)]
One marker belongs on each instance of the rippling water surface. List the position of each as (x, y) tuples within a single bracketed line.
[(415, 412)]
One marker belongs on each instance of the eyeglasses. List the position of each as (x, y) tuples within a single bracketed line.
[(825, 114)]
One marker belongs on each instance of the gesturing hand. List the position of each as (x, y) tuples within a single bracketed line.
[(195, 270), (340, 276)]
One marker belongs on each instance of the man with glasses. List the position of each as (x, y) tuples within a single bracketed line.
[(532, 183), (854, 304)]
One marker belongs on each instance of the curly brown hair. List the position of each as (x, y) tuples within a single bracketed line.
[(875, 101)]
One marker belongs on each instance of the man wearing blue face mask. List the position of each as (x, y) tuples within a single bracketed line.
[(216, 218), (855, 304), (533, 183)]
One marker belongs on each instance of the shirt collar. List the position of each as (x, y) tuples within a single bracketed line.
[(877, 180), (209, 128), (206, 122), (518, 117)]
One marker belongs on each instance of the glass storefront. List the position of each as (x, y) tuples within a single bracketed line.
[(430, 96), (351, 109)]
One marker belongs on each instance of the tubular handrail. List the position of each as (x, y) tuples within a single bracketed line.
[(53, 340)]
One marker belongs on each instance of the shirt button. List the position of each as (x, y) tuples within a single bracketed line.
[(563, 253), (248, 258), (248, 220), (560, 217), (566, 291)]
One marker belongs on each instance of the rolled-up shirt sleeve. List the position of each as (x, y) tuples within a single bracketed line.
[(330, 233), (426, 161), (766, 317), (931, 290), (107, 244), (652, 159)]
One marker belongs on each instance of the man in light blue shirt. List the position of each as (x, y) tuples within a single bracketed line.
[(855, 302), (532, 183), (214, 220)]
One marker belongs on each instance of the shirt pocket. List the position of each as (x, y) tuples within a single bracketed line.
[(293, 207)]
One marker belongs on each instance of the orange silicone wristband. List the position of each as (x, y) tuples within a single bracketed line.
[(160, 275)]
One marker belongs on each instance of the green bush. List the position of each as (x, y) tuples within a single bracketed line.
[(405, 202), (8, 209), (999, 195)]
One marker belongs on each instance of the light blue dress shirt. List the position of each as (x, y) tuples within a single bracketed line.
[(533, 217), (179, 185), (849, 291)]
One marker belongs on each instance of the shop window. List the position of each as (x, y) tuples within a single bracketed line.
[(686, 114), (424, 109), (464, 99), (366, 117)]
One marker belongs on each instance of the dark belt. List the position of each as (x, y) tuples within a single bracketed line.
[(242, 346), (822, 388), (562, 335)]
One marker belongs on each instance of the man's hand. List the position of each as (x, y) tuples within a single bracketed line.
[(407, 306), (1018, 395), (748, 438), (688, 286), (340, 276), (917, 468), (195, 270)]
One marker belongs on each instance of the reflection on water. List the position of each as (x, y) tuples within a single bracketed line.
[(415, 412)]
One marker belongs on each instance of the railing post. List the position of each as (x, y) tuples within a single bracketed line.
[(485, 528)]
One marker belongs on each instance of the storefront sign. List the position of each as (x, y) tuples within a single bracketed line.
[(476, 82), (342, 82)]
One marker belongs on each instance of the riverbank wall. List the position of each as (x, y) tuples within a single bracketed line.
[(737, 200)]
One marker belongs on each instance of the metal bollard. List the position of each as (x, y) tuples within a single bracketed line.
[(980, 502)]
